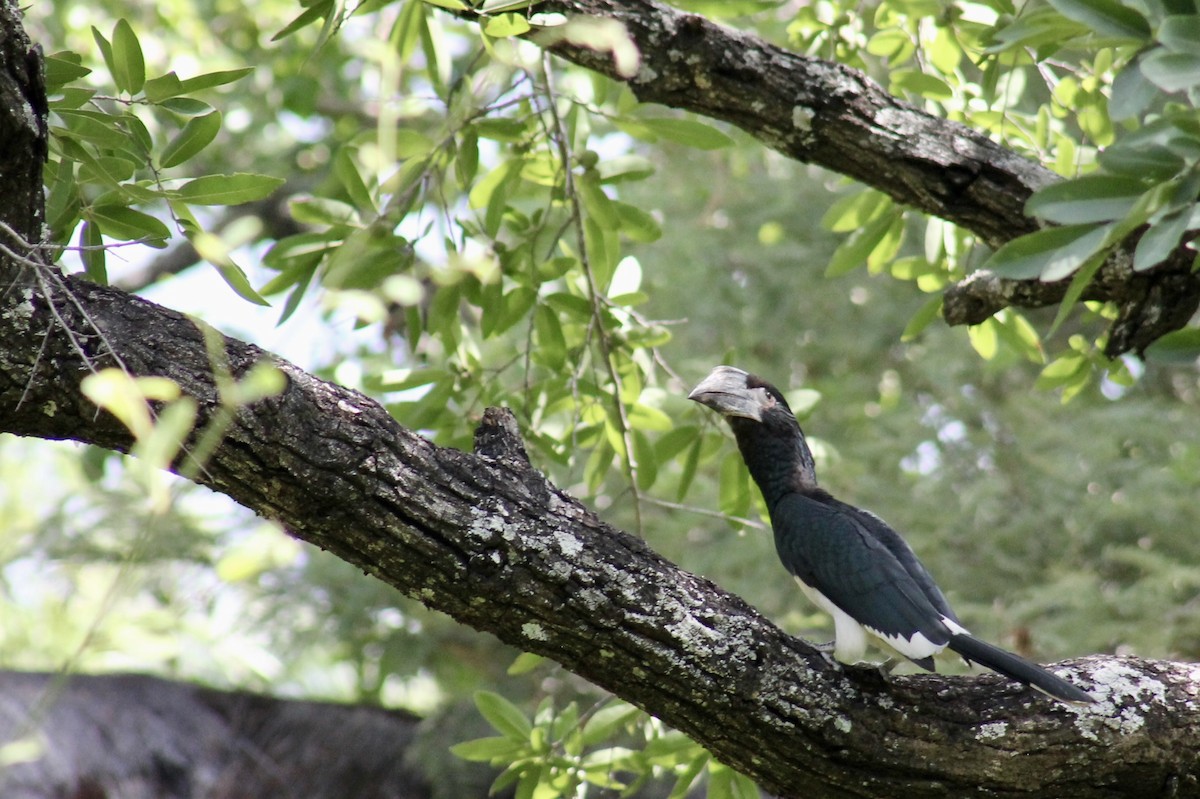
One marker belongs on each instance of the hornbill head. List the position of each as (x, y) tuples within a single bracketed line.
[(731, 392)]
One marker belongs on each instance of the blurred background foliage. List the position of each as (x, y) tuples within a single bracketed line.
[(448, 220)]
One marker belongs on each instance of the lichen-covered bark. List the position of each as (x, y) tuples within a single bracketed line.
[(22, 128), (828, 114), (485, 538)]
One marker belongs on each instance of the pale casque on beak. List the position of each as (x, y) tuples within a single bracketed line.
[(726, 392)]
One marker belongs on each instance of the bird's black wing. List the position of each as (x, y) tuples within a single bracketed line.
[(863, 566), (882, 532)]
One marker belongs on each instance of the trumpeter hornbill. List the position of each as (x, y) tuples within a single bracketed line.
[(849, 562)]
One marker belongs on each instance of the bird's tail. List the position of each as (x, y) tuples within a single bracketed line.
[(1017, 668)]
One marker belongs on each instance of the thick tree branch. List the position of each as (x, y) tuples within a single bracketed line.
[(831, 115), (486, 539), (23, 129)]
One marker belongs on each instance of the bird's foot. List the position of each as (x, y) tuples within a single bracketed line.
[(826, 649), (886, 667)]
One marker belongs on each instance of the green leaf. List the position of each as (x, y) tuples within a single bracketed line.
[(404, 379), (366, 258), (505, 25), (163, 87), (346, 170), (1180, 348), (169, 86), (602, 250), (1063, 371), (984, 339), (502, 129), (235, 189), (894, 44), (1132, 93), (214, 250), (686, 131), (922, 318), (597, 203), (920, 84), (720, 779), (1172, 72), (624, 168), (502, 311), (570, 306), (93, 254), (1075, 289), (524, 663), (71, 97), (466, 164), (125, 397), (690, 463), (1106, 17), (106, 51), (123, 222), (323, 211), (598, 466), (555, 268), (636, 223), (211, 80), (1180, 32), (854, 211), (187, 106), (482, 193), (645, 417), (687, 777), (889, 244), (98, 128), (1160, 240), (61, 69), (643, 457), (1091, 198), (743, 786), (197, 134), (505, 717), (62, 204), (1016, 331), (487, 750), (1143, 160), (552, 345), (607, 721), (1036, 28), (733, 496), (318, 10), (129, 68), (1056, 250), (853, 252), (301, 245)]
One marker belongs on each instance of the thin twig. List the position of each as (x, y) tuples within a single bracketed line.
[(716, 514), (594, 294)]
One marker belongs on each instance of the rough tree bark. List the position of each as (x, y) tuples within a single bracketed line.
[(486, 539)]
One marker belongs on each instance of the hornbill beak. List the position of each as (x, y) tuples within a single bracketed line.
[(726, 392)]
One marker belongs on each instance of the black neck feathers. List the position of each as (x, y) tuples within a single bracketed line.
[(776, 454)]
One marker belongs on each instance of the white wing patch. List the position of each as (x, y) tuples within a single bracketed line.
[(850, 640), (916, 648)]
